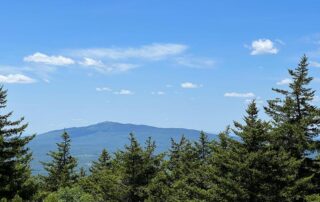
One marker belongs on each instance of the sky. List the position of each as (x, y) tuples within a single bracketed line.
[(191, 64)]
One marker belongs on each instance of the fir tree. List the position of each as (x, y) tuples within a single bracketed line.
[(296, 119), (296, 123), (266, 174), (203, 147), (225, 167), (15, 156), (139, 167), (61, 170), (104, 162)]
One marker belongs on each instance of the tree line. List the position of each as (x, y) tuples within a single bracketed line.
[(270, 160)]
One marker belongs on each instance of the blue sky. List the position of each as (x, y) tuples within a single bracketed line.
[(192, 64)]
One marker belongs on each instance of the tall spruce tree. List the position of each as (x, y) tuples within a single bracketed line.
[(266, 174), (14, 155), (61, 170), (296, 122), (203, 147), (139, 166), (294, 116), (225, 167)]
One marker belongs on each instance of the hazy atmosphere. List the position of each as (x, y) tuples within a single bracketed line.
[(159, 63)]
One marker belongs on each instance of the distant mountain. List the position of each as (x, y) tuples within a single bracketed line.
[(88, 141)]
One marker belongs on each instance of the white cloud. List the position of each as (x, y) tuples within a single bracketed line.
[(153, 51), (124, 92), (107, 68), (190, 85), (16, 78), (240, 95), (263, 46), (158, 93), (314, 64), (195, 62), (103, 89), (91, 62), (116, 67), (285, 81), (49, 60)]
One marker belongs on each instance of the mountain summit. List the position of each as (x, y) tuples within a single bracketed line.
[(88, 142)]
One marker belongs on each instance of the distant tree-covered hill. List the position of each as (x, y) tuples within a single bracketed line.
[(88, 142)]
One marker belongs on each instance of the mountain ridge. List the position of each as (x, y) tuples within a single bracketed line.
[(88, 141)]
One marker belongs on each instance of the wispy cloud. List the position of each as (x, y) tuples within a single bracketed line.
[(16, 78), (158, 93), (49, 60), (285, 81), (195, 62), (240, 95), (263, 46), (124, 92), (190, 85), (314, 64), (154, 52), (114, 67), (114, 59), (103, 89), (91, 62)]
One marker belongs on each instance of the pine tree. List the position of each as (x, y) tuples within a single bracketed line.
[(61, 170), (225, 167), (296, 123), (203, 147), (15, 156), (175, 182), (296, 119), (266, 174), (104, 162), (139, 166)]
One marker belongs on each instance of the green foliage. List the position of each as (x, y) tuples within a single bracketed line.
[(15, 156), (104, 186), (104, 162), (313, 198), (267, 161), (61, 170), (296, 123), (17, 198), (75, 194), (138, 167)]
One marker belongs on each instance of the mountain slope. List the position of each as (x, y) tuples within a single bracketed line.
[(88, 142)]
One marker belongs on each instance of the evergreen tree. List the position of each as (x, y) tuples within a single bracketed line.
[(61, 170), (82, 172), (175, 181), (14, 155), (296, 123), (203, 147), (104, 162), (295, 118), (139, 166), (267, 173), (105, 185), (225, 167)]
